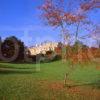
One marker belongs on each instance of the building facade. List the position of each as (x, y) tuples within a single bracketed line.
[(42, 48)]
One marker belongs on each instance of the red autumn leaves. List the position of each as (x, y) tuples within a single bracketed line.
[(51, 13), (72, 18), (56, 16), (90, 5)]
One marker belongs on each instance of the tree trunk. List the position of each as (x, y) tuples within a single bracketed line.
[(77, 30)]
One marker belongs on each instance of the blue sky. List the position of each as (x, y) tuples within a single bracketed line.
[(21, 19)]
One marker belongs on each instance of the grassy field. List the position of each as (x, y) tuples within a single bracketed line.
[(46, 81)]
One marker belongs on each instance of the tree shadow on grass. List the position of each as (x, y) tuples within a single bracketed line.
[(95, 84), (11, 67), (13, 71), (6, 67)]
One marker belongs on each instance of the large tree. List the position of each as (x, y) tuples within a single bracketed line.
[(62, 13), (65, 13), (12, 49), (58, 14)]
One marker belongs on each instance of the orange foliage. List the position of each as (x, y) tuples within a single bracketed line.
[(82, 55), (90, 5), (56, 16)]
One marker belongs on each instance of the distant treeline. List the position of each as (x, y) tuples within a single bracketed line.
[(13, 50)]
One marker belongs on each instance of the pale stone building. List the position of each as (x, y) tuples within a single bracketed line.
[(43, 48)]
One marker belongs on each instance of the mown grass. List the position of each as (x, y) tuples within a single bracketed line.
[(23, 81)]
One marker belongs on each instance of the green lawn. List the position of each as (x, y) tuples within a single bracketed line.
[(32, 81)]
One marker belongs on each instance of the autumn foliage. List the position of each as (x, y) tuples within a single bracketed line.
[(91, 4), (83, 54), (56, 14)]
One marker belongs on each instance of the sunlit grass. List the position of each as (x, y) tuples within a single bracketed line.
[(23, 81)]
